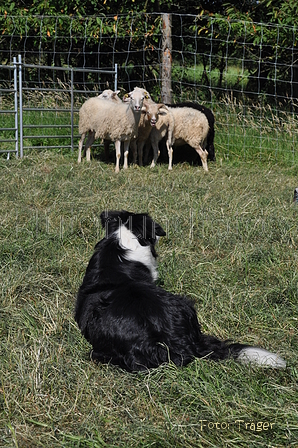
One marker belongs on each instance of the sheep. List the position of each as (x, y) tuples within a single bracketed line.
[(182, 125), (150, 116), (112, 121), (141, 90), (109, 94), (191, 127), (210, 118), (164, 128)]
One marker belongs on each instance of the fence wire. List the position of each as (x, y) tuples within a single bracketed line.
[(246, 72)]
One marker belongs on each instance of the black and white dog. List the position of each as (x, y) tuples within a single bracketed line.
[(133, 323)]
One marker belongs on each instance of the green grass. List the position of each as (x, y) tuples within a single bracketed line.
[(233, 77), (231, 246)]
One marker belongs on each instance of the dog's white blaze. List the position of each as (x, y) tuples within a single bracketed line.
[(261, 357), (136, 252)]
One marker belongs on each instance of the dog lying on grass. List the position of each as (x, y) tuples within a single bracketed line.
[(133, 323)]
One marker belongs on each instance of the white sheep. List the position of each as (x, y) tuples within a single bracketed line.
[(141, 90), (210, 117), (191, 127), (109, 94), (112, 121), (182, 125), (113, 96)]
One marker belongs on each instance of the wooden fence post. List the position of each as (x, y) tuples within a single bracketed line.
[(166, 75)]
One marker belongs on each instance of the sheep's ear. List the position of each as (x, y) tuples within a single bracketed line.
[(163, 110), (144, 108), (126, 98), (104, 217), (114, 94), (147, 96)]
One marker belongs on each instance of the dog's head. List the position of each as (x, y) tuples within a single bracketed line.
[(133, 229)]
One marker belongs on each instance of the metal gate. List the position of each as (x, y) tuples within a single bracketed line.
[(9, 134), (41, 121)]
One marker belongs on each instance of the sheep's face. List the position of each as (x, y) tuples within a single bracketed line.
[(109, 94), (153, 111), (136, 100), (152, 116), (137, 97)]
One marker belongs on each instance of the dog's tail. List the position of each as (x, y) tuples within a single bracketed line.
[(245, 354), (261, 357)]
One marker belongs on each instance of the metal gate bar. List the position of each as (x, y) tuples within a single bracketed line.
[(14, 111)]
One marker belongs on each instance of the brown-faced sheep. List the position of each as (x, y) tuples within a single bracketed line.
[(151, 114), (164, 128)]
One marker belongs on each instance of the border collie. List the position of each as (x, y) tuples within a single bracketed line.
[(133, 323)]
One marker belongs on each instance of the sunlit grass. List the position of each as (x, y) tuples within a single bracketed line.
[(232, 77), (231, 245)]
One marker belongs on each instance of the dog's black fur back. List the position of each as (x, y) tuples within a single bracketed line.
[(126, 317)]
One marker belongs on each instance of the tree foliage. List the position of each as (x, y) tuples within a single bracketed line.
[(80, 32)]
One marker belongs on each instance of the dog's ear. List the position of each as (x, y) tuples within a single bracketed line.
[(114, 218), (159, 231), (105, 217)]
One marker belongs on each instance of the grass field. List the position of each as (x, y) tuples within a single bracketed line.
[(231, 245)]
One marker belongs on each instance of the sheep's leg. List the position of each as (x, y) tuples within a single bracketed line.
[(169, 143), (88, 144), (140, 152), (80, 147), (133, 145), (147, 149), (203, 153), (170, 153), (126, 149), (118, 154), (156, 153)]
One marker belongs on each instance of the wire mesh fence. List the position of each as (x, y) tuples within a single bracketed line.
[(246, 72)]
